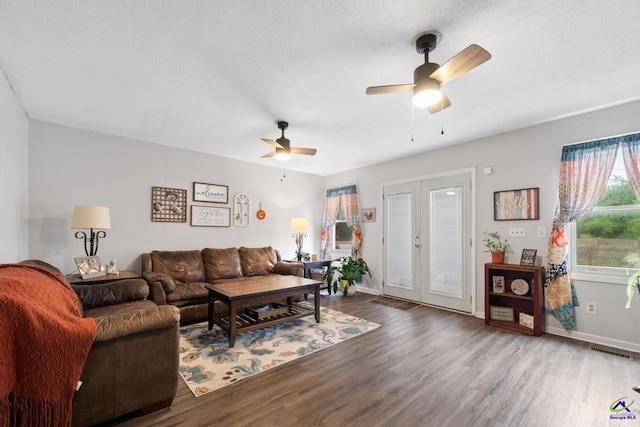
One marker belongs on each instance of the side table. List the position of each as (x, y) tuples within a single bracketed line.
[(308, 265), (76, 279)]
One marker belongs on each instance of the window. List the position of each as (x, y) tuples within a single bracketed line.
[(605, 244), (342, 234)]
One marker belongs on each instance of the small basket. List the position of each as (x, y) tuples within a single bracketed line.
[(264, 311)]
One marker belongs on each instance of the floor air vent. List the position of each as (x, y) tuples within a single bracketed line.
[(611, 351)]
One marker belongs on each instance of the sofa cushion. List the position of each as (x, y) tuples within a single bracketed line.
[(183, 266), (188, 291), (257, 261), (221, 263)]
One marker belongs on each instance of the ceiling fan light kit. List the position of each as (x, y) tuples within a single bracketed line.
[(282, 145), (428, 77)]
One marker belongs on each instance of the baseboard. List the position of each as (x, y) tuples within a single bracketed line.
[(595, 339), (582, 336)]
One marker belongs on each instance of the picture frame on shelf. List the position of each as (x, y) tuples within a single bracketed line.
[(526, 320), (505, 314), (369, 215), (528, 257), (498, 284), (90, 266), (516, 205), (210, 193)]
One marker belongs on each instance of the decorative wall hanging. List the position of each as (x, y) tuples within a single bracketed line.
[(168, 204), (516, 205), (241, 209), (369, 215), (261, 214), (207, 216), (211, 193)]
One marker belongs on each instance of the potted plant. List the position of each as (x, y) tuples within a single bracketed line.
[(496, 246), (634, 281), (349, 272)]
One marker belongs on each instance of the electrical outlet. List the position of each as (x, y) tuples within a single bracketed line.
[(516, 232), (542, 232), (591, 308)]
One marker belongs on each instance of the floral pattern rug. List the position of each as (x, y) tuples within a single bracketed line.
[(207, 363)]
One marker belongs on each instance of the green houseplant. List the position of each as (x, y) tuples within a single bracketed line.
[(347, 271), (634, 281), (496, 246)]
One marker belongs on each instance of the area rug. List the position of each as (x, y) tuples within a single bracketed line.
[(207, 363)]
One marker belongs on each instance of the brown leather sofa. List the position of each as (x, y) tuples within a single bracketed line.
[(179, 277), (117, 377)]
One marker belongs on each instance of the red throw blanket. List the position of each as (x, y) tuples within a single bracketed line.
[(44, 342)]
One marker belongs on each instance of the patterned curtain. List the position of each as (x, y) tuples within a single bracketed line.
[(584, 171), (331, 204), (631, 157), (348, 196)]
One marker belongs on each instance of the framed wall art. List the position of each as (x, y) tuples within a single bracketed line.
[(208, 216), (369, 215), (212, 193), (515, 205), (168, 204)]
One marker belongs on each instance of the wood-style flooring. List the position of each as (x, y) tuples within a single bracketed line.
[(422, 367)]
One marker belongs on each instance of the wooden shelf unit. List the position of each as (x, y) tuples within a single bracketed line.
[(531, 303)]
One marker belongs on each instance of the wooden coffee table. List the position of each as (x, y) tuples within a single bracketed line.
[(258, 290)]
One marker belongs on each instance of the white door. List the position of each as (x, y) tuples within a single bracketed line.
[(446, 252), (401, 241), (427, 241)]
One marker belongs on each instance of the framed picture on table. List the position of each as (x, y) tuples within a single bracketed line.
[(90, 266)]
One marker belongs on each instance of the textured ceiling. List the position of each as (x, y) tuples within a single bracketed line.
[(216, 76)]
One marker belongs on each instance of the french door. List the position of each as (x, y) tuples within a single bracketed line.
[(427, 241)]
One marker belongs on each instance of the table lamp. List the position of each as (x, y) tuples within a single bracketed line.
[(298, 228), (91, 217)]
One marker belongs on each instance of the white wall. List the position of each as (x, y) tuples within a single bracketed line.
[(70, 167), (13, 176), (525, 158)]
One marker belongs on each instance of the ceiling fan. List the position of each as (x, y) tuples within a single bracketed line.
[(283, 149), (428, 77)]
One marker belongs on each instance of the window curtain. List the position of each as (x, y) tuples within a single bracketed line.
[(631, 157), (348, 196), (584, 171)]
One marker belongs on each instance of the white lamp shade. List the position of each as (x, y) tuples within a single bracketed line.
[(91, 217), (299, 224)]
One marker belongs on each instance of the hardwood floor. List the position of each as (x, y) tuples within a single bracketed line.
[(422, 367)]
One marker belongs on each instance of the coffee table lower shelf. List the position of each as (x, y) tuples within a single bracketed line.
[(245, 322)]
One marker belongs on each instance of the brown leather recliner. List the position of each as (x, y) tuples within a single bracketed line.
[(179, 277)]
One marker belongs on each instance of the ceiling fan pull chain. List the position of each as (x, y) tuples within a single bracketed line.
[(442, 113), (411, 123), (283, 175)]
